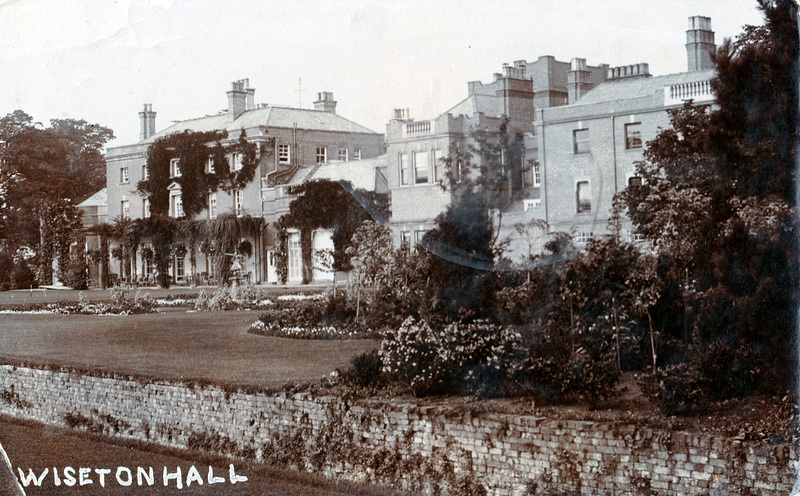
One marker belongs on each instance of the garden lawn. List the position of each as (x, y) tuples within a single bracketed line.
[(205, 346)]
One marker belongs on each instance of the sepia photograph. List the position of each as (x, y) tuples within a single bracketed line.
[(433, 247)]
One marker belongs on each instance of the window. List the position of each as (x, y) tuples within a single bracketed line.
[(357, 154), (580, 141), (634, 181), (148, 267), (322, 154), (145, 208), (583, 194), (405, 240), (418, 235), (177, 205), (438, 165), (125, 209), (212, 205), (420, 167), (295, 257), (180, 269), (145, 173), (235, 161), (537, 173), (285, 154), (238, 202), (175, 167), (123, 175), (210, 166), (582, 237), (404, 171), (342, 154), (633, 135)]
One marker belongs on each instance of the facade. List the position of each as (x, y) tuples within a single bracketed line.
[(584, 127), (290, 141)]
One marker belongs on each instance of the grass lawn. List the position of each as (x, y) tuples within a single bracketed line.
[(34, 446), (212, 346)]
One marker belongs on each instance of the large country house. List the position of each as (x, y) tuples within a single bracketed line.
[(583, 127), (291, 144)]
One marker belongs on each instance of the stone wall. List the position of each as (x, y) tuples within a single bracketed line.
[(417, 448)]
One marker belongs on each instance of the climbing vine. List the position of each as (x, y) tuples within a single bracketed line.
[(195, 151), (326, 204)]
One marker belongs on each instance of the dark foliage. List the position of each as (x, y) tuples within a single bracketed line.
[(194, 150), (330, 205)]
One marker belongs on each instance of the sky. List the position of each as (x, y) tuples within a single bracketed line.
[(100, 60)]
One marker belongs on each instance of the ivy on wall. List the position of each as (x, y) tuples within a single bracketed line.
[(326, 204), (193, 150)]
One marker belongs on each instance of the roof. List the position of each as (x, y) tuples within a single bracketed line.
[(489, 105), (270, 116), (96, 200), (627, 89), (361, 173)]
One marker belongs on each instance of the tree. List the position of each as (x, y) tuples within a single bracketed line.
[(46, 172), (717, 203), (484, 179)]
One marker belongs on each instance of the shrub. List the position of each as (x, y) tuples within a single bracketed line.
[(76, 275), (22, 277), (365, 370), (675, 389), (476, 358)]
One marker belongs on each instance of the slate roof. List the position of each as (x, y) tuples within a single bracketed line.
[(611, 91), (361, 173), (489, 105), (270, 116), (98, 199)]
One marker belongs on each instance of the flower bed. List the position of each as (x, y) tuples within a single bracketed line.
[(322, 332), (121, 304)]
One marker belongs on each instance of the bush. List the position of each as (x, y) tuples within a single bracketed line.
[(77, 274), (476, 358), (22, 277), (675, 389), (365, 370)]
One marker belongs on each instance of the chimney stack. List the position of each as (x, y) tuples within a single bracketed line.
[(578, 80), (147, 122), (700, 44), (238, 98), (325, 102)]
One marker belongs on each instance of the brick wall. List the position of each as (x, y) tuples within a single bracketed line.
[(418, 448)]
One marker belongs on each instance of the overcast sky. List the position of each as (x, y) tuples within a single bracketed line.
[(100, 60)]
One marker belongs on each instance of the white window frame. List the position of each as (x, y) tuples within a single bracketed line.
[(124, 177), (235, 161), (175, 168), (586, 207), (125, 209), (438, 165), (284, 153), (210, 166), (536, 168), (343, 154), (294, 257), (357, 154), (633, 142), (145, 172), (212, 205), (405, 240), (145, 208), (422, 164), (404, 167), (582, 237), (580, 141), (238, 202), (322, 154), (176, 205)]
